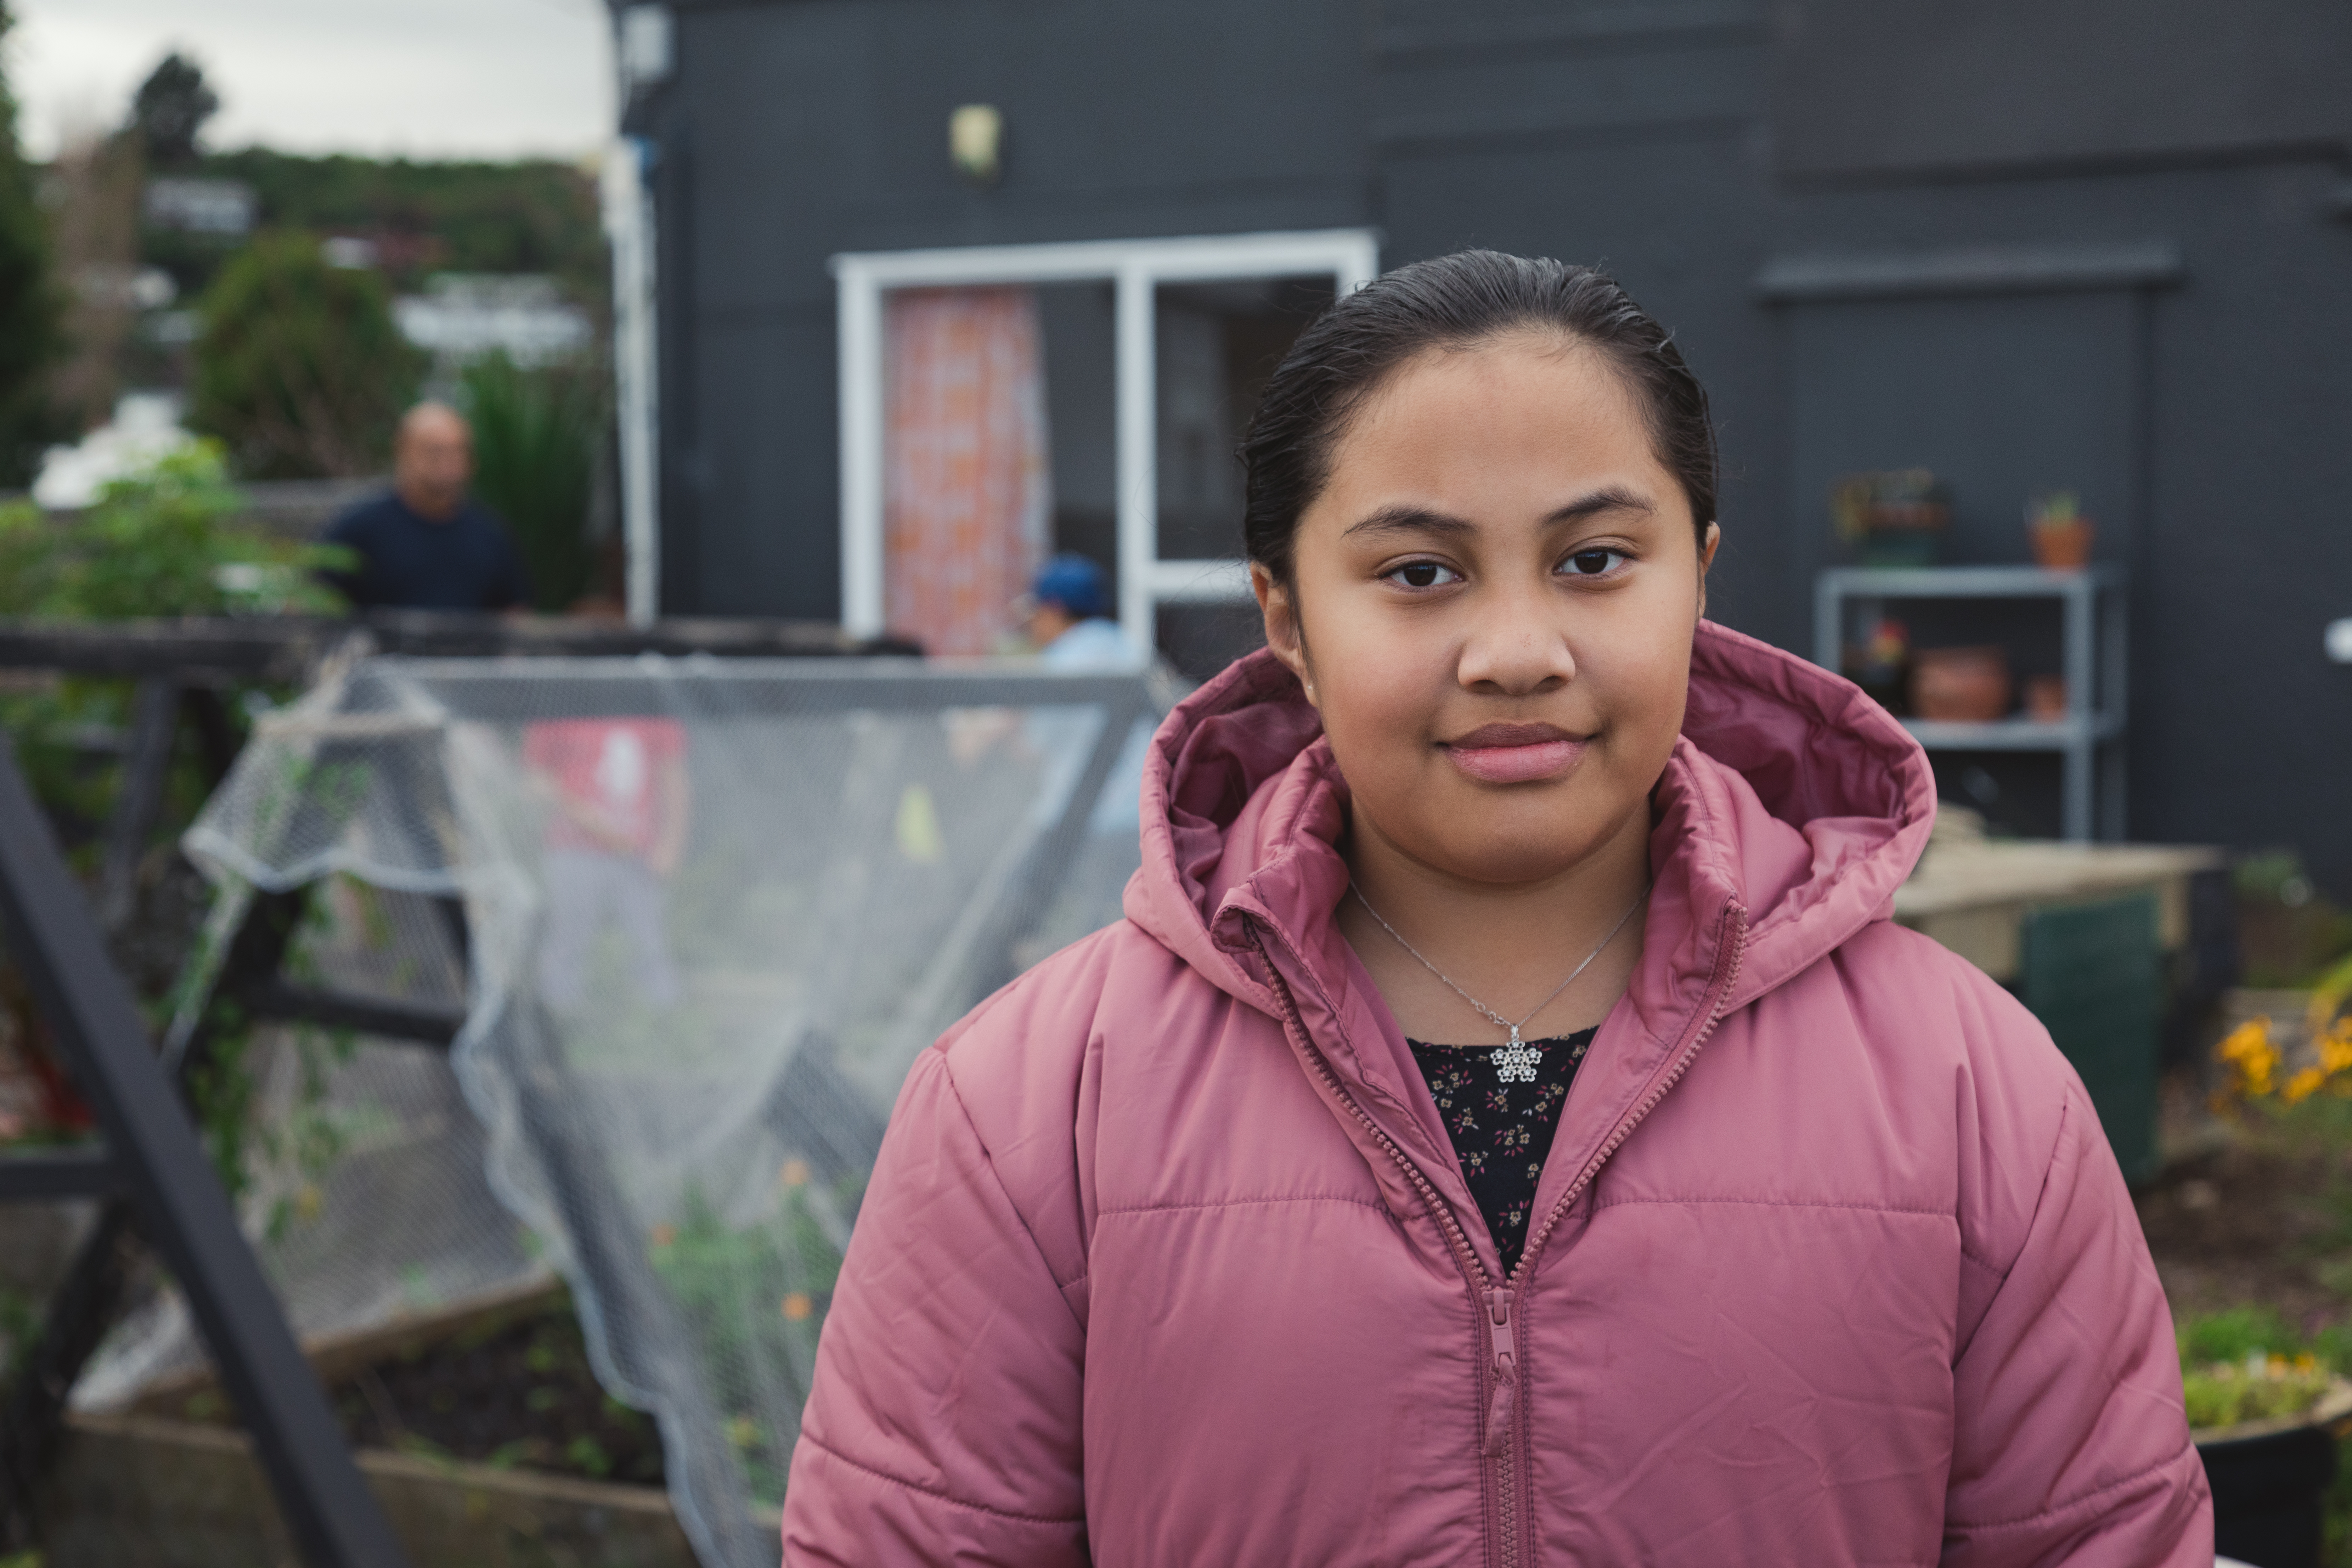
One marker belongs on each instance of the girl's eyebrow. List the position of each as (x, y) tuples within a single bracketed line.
[(1608, 497), (1405, 518), (1401, 519)]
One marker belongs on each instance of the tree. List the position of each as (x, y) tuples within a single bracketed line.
[(92, 200), (170, 110), (536, 433), (300, 368), (31, 308), (533, 216)]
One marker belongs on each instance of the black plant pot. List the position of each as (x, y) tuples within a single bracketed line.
[(2270, 1489)]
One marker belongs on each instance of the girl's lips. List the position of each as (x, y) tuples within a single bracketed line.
[(1523, 763)]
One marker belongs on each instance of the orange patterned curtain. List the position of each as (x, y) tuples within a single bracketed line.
[(967, 490)]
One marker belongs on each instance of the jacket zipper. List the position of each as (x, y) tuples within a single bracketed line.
[(1499, 1368), (1500, 1403), (1491, 1371), (1729, 950)]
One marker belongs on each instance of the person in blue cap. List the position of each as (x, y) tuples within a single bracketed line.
[(1062, 616)]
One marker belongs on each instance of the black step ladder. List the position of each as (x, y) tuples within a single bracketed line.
[(152, 1175)]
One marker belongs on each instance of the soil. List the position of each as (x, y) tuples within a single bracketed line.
[(2263, 1218), (521, 1395), (516, 1393)]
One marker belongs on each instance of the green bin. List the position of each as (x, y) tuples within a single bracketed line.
[(2091, 973)]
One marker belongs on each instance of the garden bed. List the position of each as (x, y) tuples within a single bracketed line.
[(504, 1382), (482, 1430), (135, 1489), (2259, 1220), (2249, 1227)]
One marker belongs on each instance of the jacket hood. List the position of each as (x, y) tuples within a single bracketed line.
[(1789, 796)]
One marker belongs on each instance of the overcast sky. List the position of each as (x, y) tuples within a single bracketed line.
[(426, 78)]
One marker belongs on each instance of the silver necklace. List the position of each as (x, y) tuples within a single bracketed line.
[(1516, 1062)]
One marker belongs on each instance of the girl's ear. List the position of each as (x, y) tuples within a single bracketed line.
[(1282, 629), (1706, 560)]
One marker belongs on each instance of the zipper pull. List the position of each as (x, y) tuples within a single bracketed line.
[(1503, 1404)]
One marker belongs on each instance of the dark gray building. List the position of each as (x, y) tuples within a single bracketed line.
[(2098, 245)]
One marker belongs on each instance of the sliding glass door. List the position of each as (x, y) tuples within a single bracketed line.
[(1004, 403)]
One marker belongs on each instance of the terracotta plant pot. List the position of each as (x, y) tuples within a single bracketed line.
[(2045, 699), (1968, 685), (2064, 547)]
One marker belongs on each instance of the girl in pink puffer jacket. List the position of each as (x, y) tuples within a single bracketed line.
[(1506, 1127)]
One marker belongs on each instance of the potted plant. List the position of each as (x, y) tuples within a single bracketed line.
[(1895, 517), (1881, 664), (2265, 1409), (2062, 535)]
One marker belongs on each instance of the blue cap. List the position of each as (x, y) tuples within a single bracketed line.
[(1071, 581)]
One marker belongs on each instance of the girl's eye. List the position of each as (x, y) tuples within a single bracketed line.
[(1593, 563), (1424, 574)]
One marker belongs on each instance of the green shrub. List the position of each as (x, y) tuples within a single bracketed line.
[(2234, 1335), (536, 433), (160, 542), (299, 369), (2223, 1394), (32, 309), (2247, 1364), (715, 1271)]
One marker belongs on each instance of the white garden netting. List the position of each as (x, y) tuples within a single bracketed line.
[(702, 916)]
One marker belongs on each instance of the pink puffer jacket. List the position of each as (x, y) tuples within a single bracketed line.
[(1168, 1258)]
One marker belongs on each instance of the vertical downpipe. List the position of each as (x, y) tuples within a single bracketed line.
[(629, 204)]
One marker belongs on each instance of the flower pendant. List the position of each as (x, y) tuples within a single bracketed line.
[(1516, 1062)]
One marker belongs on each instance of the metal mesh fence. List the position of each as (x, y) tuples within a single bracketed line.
[(702, 916)]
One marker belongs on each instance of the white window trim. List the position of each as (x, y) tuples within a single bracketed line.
[(1350, 256)]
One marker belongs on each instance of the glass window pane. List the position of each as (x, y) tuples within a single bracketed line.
[(1080, 322), (1217, 345)]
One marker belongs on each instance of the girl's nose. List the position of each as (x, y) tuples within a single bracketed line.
[(1514, 649)]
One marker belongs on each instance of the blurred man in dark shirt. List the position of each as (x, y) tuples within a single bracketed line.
[(427, 545)]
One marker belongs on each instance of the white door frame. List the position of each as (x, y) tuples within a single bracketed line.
[(1349, 256)]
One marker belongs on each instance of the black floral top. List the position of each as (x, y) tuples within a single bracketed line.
[(1502, 1130)]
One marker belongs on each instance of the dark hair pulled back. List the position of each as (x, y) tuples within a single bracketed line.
[(1457, 301)]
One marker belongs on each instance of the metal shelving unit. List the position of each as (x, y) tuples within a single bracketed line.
[(2089, 741)]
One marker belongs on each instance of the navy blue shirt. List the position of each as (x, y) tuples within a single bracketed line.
[(412, 562)]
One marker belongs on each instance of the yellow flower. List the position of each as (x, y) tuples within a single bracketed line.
[(2303, 1085), (2335, 1051), (2248, 1048), (2249, 1039)]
